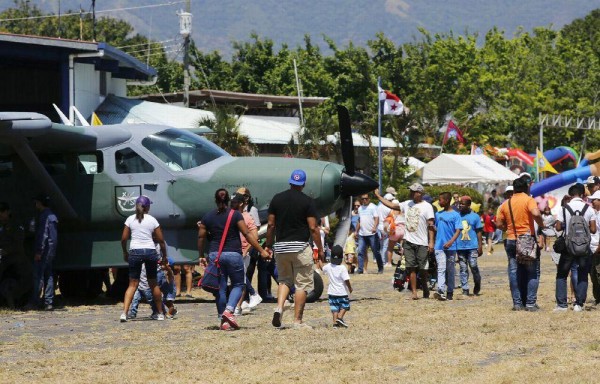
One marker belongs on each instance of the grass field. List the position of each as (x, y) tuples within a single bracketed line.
[(391, 339)]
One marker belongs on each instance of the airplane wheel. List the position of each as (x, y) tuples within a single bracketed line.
[(82, 284), (315, 294)]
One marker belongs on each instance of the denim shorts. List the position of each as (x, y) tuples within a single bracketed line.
[(337, 303), (149, 257)]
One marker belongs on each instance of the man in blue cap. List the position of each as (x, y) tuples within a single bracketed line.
[(292, 222)]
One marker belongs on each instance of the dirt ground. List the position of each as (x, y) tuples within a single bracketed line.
[(390, 339)]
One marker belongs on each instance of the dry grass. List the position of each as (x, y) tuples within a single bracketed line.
[(390, 339)]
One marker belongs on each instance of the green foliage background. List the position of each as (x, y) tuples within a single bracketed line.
[(493, 87)]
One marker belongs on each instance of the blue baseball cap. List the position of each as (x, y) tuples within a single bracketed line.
[(298, 177), (144, 201)]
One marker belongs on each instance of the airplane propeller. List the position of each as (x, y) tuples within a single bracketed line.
[(352, 182)]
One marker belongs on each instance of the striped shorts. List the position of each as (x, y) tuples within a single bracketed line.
[(336, 303)]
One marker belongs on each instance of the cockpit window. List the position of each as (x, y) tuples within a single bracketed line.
[(180, 150)]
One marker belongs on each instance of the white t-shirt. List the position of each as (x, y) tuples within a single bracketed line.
[(576, 204), (416, 216), (595, 236), (367, 219), (383, 212), (141, 233), (337, 274)]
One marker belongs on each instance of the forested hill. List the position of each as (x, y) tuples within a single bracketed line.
[(219, 22)]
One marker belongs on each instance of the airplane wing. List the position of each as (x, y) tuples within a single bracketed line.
[(45, 136)]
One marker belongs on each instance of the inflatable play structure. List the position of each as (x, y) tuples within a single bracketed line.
[(590, 166), (562, 158)]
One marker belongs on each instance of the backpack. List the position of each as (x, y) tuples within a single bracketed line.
[(577, 231)]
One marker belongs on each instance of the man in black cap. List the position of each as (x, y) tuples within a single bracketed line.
[(46, 240), (292, 223)]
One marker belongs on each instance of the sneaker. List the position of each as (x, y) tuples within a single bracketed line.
[(465, 292), (477, 289), (228, 317), (171, 316), (225, 327), (245, 305), (341, 323), (449, 296), (237, 311), (532, 308), (276, 322), (387, 265), (123, 318), (439, 296), (131, 316), (254, 300), (157, 316), (577, 308), (48, 307), (560, 309), (518, 308)]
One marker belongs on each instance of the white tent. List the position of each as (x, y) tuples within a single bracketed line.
[(465, 169)]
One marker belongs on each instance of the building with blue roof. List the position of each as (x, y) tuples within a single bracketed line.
[(36, 72)]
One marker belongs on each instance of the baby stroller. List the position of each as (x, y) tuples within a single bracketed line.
[(402, 278)]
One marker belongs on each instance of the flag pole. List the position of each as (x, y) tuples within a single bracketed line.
[(537, 165), (379, 104)]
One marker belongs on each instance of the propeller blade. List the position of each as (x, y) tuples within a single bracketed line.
[(344, 225), (346, 139)]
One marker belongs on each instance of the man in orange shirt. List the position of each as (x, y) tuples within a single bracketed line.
[(523, 278)]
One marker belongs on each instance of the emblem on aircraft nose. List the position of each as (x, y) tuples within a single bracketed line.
[(125, 198)]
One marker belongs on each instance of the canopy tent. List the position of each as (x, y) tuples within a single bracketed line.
[(465, 169)]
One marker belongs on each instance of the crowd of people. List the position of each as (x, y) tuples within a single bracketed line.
[(443, 234)]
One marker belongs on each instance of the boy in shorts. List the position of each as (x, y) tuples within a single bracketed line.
[(339, 287), (350, 251)]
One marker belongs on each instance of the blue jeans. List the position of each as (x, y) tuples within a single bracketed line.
[(468, 258), (580, 278), (384, 241), (373, 242), (43, 277), (232, 267), (266, 270), (146, 256), (522, 278), (137, 297), (445, 270)]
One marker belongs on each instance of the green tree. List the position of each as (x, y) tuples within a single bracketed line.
[(226, 126)]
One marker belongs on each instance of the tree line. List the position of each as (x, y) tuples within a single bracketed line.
[(492, 86)]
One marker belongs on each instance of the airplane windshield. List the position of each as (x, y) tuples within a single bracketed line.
[(180, 150)]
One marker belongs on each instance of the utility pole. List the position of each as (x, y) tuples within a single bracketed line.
[(94, 20), (185, 30)]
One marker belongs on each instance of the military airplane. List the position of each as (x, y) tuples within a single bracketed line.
[(93, 174)]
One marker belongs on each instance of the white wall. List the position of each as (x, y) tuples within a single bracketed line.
[(117, 87), (87, 88)]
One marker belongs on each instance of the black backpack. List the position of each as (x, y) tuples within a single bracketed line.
[(577, 233)]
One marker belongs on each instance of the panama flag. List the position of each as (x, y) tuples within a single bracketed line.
[(392, 105), (543, 163), (453, 132)]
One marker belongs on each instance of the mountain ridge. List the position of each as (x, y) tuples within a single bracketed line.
[(217, 23)]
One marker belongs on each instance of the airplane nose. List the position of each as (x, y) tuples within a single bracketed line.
[(356, 184)]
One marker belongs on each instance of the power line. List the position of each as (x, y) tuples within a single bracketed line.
[(146, 43), (89, 12), (154, 49)]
